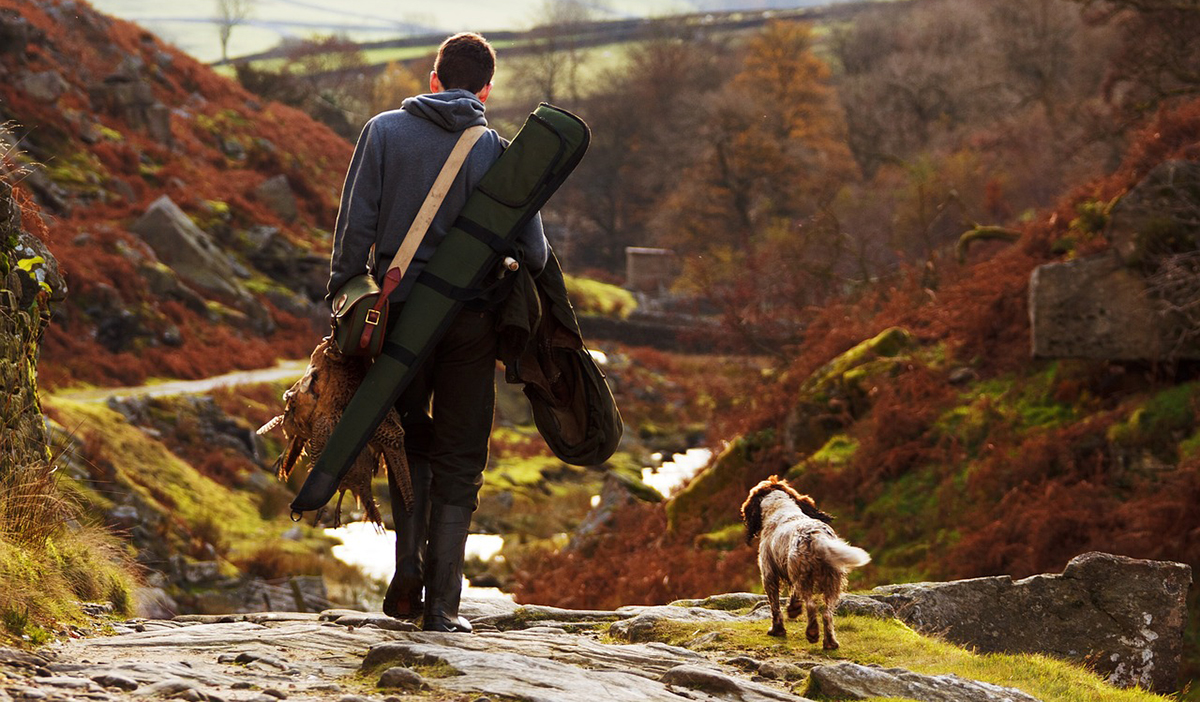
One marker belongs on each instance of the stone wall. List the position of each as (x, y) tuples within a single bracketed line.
[(30, 283)]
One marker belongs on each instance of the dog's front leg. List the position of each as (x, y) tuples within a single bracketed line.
[(771, 587)]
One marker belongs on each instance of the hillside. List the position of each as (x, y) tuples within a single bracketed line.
[(102, 119), (915, 415)]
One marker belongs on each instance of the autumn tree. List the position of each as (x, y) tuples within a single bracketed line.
[(773, 154), (393, 85), (637, 153)]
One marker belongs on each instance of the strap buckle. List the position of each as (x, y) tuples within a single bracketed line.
[(372, 317)]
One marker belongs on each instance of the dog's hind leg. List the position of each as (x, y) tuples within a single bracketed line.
[(831, 641), (795, 603), (813, 631), (771, 587), (832, 592)]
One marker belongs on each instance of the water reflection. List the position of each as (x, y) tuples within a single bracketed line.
[(373, 552), (672, 474)]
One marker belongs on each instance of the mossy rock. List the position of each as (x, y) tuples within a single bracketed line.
[(726, 538), (889, 343), (636, 487), (729, 468)]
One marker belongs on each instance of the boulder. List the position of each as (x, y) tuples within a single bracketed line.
[(276, 193), (857, 682), (44, 86), (15, 32), (402, 678), (127, 94), (1093, 307), (275, 255), (1123, 616), (153, 603), (183, 246), (722, 686), (1158, 215)]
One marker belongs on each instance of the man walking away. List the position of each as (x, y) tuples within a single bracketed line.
[(447, 409)]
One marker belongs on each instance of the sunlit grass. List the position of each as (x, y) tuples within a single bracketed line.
[(892, 644)]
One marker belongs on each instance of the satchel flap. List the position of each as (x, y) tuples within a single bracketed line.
[(350, 294)]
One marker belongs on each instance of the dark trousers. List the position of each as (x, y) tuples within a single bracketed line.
[(447, 410)]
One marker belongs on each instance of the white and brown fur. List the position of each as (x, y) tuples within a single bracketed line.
[(797, 547)]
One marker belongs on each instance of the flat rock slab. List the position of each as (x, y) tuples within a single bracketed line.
[(647, 660), (1122, 616), (858, 682), (545, 667)]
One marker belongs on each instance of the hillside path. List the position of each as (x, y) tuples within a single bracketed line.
[(284, 370), (531, 653)]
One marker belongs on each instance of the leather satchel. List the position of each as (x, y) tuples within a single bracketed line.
[(360, 307)]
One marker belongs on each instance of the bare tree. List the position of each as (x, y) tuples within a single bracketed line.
[(549, 68), (230, 13)]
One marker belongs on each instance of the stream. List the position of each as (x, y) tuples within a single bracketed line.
[(370, 550)]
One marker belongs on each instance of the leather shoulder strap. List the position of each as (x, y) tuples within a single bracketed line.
[(433, 201)]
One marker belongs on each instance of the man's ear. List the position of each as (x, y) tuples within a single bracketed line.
[(435, 85), (483, 94)]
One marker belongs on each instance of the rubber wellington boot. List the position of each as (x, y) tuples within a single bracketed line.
[(403, 598), (448, 527)]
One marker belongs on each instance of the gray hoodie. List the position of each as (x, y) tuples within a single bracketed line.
[(396, 160)]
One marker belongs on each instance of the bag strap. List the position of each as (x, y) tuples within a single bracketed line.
[(433, 202)]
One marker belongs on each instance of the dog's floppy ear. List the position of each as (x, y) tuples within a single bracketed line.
[(752, 509), (805, 502), (810, 509)]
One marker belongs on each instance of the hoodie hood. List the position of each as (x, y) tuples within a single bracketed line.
[(452, 110)]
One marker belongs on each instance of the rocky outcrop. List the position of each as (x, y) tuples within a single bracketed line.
[(851, 681), (44, 86), (197, 259), (310, 656), (15, 33), (1158, 214), (276, 193), (1123, 616), (30, 283), (529, 653), (127, 94), (183, 246), (1109, 306), (1093, 307)]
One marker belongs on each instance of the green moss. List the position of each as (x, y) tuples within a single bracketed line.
[(1161, 423), (727, 469), (726, 538), (80, 171), (1190, 447), (165, 482), (1093, 216), (839, 450), (889, 343), (110, 134), (601, 299), (890, 643), (637, 488)]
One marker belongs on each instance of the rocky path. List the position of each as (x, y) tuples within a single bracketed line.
[(518, 653), (527, 653)]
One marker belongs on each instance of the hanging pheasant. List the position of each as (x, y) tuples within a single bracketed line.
[(311, 410)]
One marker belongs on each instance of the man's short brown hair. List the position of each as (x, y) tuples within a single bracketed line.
[(465, 60)]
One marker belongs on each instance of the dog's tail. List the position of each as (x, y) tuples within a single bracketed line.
[(840, 554)]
